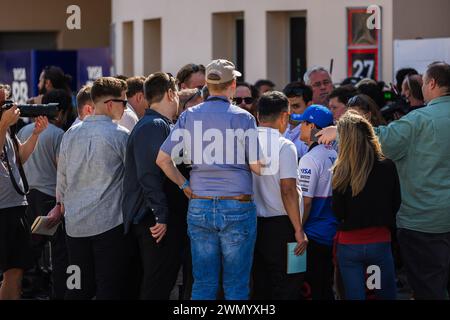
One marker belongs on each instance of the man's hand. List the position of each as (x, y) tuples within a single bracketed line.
[(10, 117), (327, 135), (302, 242), (40, 125), (158, 231), (54, 216), (188, 192), (36, 100)]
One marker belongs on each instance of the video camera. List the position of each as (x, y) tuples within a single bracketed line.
[(395, 105), (50, 110)]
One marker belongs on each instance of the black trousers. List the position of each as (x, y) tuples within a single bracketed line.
[(270, 278), (159, 262), (103, 261), (40, 204), (426, 258), (188, 277), (320, 272)]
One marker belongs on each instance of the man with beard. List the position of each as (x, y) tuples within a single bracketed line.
[(51, 78)]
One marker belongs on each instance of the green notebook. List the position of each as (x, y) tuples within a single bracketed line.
[(295, 264)]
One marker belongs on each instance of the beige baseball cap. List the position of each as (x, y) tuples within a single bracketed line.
[(221, 71)]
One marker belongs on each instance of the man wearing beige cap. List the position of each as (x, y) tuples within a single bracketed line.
[(222, 214)]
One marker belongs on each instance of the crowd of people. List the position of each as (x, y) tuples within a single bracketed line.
[(195, 187)]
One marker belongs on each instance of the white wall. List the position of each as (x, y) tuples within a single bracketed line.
[(418, 54), (187, 31)]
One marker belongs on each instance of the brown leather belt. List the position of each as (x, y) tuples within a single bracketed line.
[(241, 198)]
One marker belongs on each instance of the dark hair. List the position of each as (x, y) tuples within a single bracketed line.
[(440, 72), (253, 91), (271, 104), (185, 73), (108, 86), (84, 97), (414, 84), (366, 104), (121, 77), (156, 86), (59, 96), (64, 99), (58, 79), (400, 76), (374, 90), (351, 81), (264, 82), (343, 93), (135, 85), (299, 89)]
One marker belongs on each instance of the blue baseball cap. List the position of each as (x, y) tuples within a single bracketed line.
[(319, 115)]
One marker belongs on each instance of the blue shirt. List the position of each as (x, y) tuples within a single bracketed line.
[(293, 134), (205, 137)]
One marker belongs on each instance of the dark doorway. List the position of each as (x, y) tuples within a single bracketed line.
[(240, 50), (297, 27)]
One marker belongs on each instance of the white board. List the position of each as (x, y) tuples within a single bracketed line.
[(418, 54)]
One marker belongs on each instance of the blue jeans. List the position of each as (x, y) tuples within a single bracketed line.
[(223, 236), (354, 261)]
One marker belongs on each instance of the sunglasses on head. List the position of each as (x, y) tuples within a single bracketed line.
[(356, 101), (247, 100), (124, 102)]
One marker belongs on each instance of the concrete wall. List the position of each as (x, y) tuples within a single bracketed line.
[(187, 30), (50, 15)]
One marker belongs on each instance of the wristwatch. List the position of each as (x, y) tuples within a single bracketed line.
[(184, 185)]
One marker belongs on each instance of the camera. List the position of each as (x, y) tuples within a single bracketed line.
[(395, 105), (50, 110)]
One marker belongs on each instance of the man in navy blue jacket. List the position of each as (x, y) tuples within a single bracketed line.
[(154, 224)]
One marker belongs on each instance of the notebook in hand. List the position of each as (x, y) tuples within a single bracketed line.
[(40, 227), (295, 264)]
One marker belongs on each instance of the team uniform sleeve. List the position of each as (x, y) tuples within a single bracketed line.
[(309, 176)]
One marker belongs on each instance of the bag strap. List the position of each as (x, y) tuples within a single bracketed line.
[(20, 166)]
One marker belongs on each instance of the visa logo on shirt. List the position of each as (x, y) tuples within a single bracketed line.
[(306, 171)]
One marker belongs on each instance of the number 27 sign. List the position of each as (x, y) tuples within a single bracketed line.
[(363, 63)]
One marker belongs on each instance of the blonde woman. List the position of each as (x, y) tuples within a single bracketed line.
[(366, 198)]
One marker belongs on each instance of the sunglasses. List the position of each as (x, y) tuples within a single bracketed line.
[(124, 102), (247, 100)]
